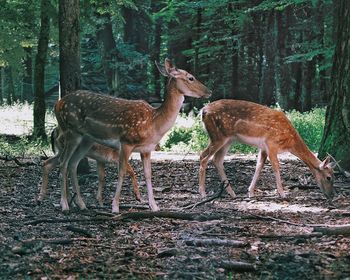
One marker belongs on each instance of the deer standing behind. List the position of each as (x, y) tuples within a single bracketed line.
[(100, 153), (227, 121), (130, 126)]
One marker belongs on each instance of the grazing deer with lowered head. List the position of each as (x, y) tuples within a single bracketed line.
[(130, 126), (100, 153), (269, 130)]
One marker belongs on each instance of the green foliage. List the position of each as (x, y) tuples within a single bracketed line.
[(309, 125), (22, 147)]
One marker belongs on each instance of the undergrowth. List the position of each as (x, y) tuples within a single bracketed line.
[(187, 135)]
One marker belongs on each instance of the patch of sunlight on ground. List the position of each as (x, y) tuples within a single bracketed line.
[(271, 207), (18, 119)]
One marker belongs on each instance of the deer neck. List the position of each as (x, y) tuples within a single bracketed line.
[(308, 157), (166, 114)]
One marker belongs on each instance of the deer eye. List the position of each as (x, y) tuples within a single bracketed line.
[(191, 79), (329, 178)]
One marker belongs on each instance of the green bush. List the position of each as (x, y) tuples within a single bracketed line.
[(194, 137), (309, 125)]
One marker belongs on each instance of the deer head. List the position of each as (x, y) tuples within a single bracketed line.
[(186, 83)]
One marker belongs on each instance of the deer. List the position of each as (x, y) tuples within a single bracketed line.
[(101, 154), (227, 121), (128, 125)]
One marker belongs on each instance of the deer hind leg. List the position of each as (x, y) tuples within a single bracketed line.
[(124, 154), (212, 148), (135, 184), (276, 168), (218, 161), (77, 156), (48, 165), (146, 161), (259, 165), (101, 181), (72, 142)]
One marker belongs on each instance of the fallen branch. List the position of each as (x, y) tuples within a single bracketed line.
[(296, 236), (80, 231), (333, 230), (215, 242), (54, 221), (237, 266), (224, 185), (9, 158), (133, 216), (166, 214)]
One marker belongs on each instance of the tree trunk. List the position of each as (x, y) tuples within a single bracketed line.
[(268, 86), (69, 41), (69, 38), (108, 52), (309, 79), (283, 70), (27, 92), (336, 137), (39, 75), (10, 86), (298, 74), (2, 85)]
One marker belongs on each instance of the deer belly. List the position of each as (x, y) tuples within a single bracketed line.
[(252, 141)]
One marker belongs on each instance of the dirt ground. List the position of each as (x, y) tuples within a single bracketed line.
[(277, 237)]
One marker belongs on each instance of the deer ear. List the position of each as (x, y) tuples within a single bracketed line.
[(324, 164), (171, 69), (161, 69)]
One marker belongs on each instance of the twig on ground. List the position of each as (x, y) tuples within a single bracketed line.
[(10, 158), (215, 242), (223, 186), (237, 266)]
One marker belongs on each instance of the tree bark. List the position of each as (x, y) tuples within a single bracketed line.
[(283, 70), (108, 52), (10, 86), (69, 41), (2, 85), (268, 86), (27, 92), (39, 75), (336, 137)]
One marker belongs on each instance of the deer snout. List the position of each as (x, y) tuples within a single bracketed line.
[(207, 93)]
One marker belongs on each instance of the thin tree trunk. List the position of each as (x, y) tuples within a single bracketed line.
[(268, 87), (283, 70), (39, 75), (309, 79), (27, 92), (2, 85), (336, 137), (108, 52), (10, 86)]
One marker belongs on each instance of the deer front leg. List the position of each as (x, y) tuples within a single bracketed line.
[(276, 168), (72, 142), (135, 184), (48, 165), (101, 182), (125, 152), (146, 160), (259, 165), (78, 155)]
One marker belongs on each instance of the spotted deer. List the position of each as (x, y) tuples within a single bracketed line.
[(130, 126), (101, 154), (228, 121)]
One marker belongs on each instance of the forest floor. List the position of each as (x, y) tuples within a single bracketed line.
[(261, 238)]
